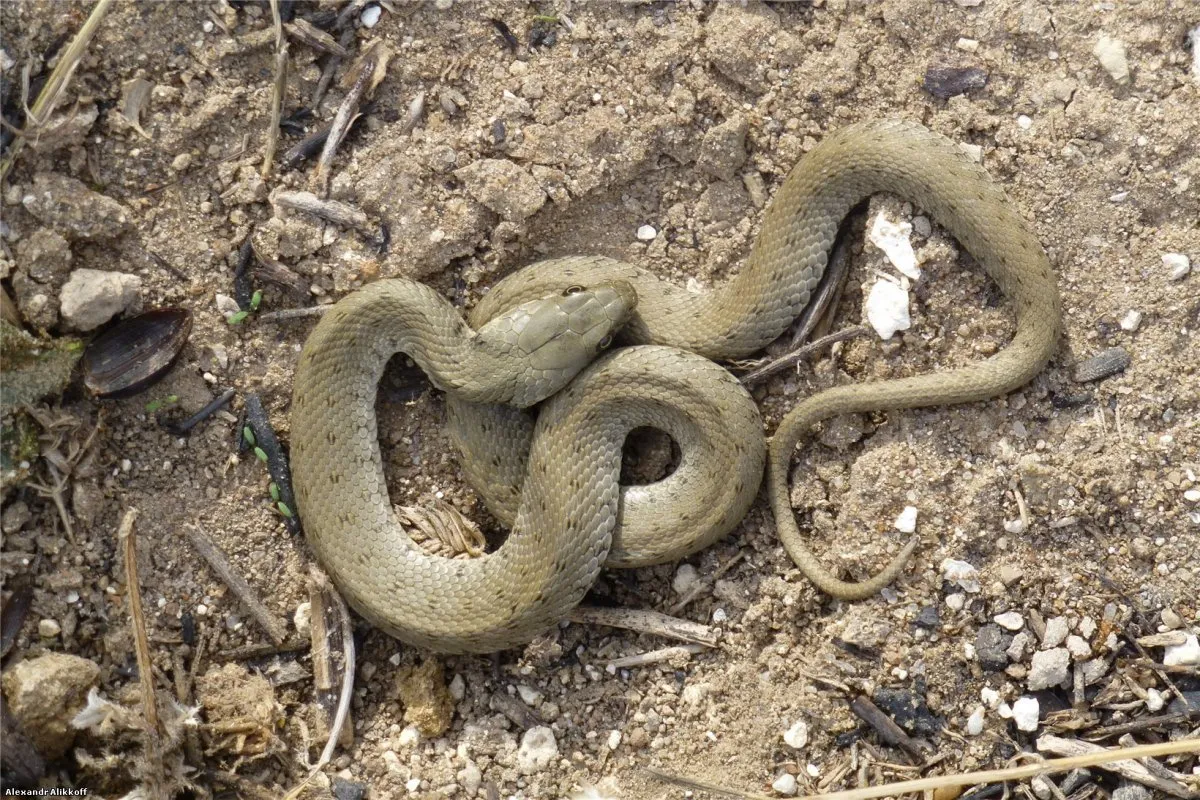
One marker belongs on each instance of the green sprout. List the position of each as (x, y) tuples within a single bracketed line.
[(156, 405)]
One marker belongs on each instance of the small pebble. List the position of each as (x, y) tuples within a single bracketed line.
[(1025, 713), (1154, 701), (975, 722), (1110, 53), (1192, 495), (614, 740), (956, 601), (1178, 265), (49, 628), (797, 735), (893, 239), (1186, 654), (1131, 321), (646, 233), (906, 522), (1010, 620), (1057, 629), (887, 308), (685, 578), (370, 15), (538, 748), (408, 737), (1048, 669), (967, 45), (302, 618), (961, 573), (1170, 619), (458, 687), (1024, 122), (785, 784), (990, 697), (1078, 647), (719, 615)]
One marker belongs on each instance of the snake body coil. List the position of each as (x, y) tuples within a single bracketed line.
[(564, 501)]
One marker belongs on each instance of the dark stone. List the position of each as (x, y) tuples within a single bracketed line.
[(991, 646), (347, 790), (929, 617), (908, 709), (946, 82)]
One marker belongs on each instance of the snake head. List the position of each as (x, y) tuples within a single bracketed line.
[(558, 336)]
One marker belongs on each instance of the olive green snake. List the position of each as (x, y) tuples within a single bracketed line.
[(555, 482)]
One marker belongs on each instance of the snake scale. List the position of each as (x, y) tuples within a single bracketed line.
[(568, 513)]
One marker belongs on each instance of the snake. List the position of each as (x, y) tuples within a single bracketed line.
[(555, 480)]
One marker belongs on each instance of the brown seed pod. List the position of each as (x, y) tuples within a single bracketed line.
[(136, 352)]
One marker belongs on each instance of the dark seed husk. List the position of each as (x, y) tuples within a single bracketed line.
[(136, 352)]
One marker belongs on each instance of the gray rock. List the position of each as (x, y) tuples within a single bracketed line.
[(991, 646), (723, 149), (929, 617), (43, 263), (92, 297), (1048, 669), (74, 210), (538, 749), (1131, 791), (504, 187), (44, 693)]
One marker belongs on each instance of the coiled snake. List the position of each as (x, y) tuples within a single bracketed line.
[(567, 511)]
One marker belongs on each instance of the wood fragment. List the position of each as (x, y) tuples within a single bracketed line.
[(367, 74), (181, 428), (224, 570), (645, 621), (944, 782), (155, 778), (681, 652), (133, 102), (515, 710), (886, 727), (306, 33), (278, 90), (330, 597), (1161, 721), (334, 211), (1126, 768)]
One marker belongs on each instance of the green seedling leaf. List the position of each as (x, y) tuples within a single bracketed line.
[(238, 318), (260, 454), (248, 435)]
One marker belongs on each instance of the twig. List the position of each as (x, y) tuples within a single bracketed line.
[(682, 652), (216, 559), (221, 400), (1097, 759), (278, 89), (644, 621), (253, 651), (515, 710), (1126, 768), (331, 597), (56, 84), (339, 213), (371, 68), (885, 726), (799, 354), (156, 779), (284, 314)]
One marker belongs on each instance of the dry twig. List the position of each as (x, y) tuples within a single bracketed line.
[(644, 621), (237, 584)]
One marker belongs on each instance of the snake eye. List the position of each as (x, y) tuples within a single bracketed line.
[(570, 290), (605, 342)]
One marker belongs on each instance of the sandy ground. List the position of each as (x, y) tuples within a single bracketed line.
[(633, 117)]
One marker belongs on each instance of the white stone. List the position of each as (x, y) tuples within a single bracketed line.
[(471, 778), (529, 695), (1010, 620), (685, 578), (967, 45), (1025, 712), (1192, 495), (412, 785), (1194, 35), (975, 722), (1177, 264), (538, 749), (408, 737), (614, 740), (302, 618), (646, 233), (1048, 668), (962, 573), (49, 628), (989, 696), (969, 3), (370, 15), (785, 784), (1057, 629), (1186, 654), (92, 297), (458, 687), (1024, 122), (1110, 53), (1154, 700), (797, 735), (956, 601), (906, 521), (887, 308), (1078, 647), (893, 239), (1131, 321), (719, 615)]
